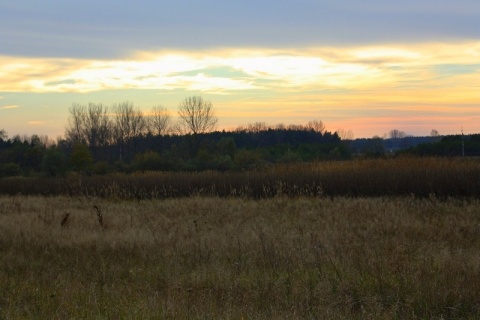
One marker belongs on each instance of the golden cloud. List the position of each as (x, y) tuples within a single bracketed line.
[(37, 123), (392, 68)]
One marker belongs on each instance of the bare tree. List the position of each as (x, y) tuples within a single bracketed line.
[(75, 133), (397, 134), (296, 127), (240, 129), (257, 127), (43, 141), (3, 135), (105, 129), (345, 134), (159, 121), (434, 133), (196, 116), (97, 126), (316, 125), (128, 124), (139, 125), (89, 125)]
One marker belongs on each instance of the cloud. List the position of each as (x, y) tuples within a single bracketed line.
[(231, 70), (37, 123), (116, 28), (9, 107), (341, 85)]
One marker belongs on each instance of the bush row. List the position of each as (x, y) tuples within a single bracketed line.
[(374, 177)]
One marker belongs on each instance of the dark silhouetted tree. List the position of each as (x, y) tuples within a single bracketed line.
[(396, 134), (81, 158), (345, 134), (196, 116), (129, 124), (75, 132), (158, 121), (316, 125), (54, 162)]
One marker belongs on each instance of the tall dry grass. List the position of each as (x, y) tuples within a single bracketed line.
[(380, 177), (213, 258)]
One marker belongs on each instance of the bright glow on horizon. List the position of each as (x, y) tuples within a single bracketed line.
[(410, 87)]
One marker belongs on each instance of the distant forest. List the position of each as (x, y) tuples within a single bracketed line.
[(101, 140)]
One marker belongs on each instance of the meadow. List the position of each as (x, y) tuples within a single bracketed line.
[(290, 252)]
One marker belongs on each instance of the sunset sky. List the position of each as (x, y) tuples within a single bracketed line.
[(368, 66)]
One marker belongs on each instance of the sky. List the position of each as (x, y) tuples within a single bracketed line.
[(367, 66)]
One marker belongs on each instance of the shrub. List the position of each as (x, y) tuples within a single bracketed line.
[(81, 158), (54, 162), (148, 161), (10, 170), (101, 168)]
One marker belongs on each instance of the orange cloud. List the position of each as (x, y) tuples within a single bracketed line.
[(381, 84), (37, 123)]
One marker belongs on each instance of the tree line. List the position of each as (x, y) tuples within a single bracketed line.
[(121, 138), (101, 139)]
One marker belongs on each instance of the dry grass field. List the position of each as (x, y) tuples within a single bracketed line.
[(444, 177), (239, 258)]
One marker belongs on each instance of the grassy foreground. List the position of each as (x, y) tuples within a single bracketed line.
[(231, 258)]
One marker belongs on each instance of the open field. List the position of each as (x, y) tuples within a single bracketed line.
[(233, 258)]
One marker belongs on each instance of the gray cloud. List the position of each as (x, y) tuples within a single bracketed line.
[(104, 29)]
